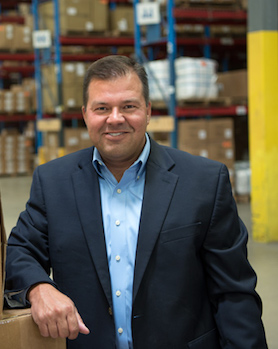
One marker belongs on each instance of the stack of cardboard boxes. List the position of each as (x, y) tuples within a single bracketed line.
[(17, 328), (15, 153), (15, 37), (74, 140), (76, 16), (211, 138), (19, 98), (233, 85), (73, 75), (88, 16)]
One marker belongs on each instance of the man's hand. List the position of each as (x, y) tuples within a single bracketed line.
[(55, 313)]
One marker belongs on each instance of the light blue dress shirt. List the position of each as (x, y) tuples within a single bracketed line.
[(121, 209)]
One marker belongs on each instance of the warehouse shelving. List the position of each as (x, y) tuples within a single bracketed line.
[(206, 16), (57, 57), (24, 70), (174, 43), (17, 118), (11, 19)]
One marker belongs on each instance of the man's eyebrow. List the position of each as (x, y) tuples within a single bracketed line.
[(131, 100), (98, 103)]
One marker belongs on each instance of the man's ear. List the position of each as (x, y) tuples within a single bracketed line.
[(84, 113), (149, 112)]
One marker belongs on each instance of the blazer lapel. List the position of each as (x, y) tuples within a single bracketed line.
[(85, 183), (159, 187)]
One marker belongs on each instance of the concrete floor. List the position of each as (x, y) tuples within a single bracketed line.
[(263, 257)]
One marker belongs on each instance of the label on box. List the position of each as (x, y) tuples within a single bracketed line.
[(73, 141), (71, 11), (122, 25), (204, 153), (80, 69), (202, 134), (229, 154), (228, 133), (71, 102), (69, 67), (89, 26)]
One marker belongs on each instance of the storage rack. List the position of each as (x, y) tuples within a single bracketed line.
[(68, 40), (171, 44), (15, 56), (174, 44)]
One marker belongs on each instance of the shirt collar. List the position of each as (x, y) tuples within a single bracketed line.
[(140, 162)]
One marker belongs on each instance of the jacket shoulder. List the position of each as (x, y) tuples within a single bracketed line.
[(68, 163)]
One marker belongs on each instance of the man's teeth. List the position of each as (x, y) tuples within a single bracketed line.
[(115, 134)]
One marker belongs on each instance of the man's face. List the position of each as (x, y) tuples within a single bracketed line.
[(116, 117)]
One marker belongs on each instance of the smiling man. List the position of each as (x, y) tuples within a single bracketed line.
[(116, 114), (145, 243)]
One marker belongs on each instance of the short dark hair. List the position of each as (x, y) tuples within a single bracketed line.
[(111, 67)]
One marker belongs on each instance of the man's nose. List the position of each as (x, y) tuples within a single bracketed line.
[(116, 116)]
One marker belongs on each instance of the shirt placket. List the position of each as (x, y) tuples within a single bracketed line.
[(119, 261)]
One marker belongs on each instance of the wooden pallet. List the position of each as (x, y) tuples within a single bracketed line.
[(242, 199), (210, 4), (218, 101), (203, 102)]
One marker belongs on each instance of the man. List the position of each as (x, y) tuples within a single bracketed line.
[(144, 241)]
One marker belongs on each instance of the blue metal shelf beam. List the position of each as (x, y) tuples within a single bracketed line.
[(153, 38)]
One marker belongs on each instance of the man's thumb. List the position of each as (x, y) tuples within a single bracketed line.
[(82, 327)]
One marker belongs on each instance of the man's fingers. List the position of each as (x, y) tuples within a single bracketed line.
[(73, 326), (82, 327), (55, 313), (44, 330)]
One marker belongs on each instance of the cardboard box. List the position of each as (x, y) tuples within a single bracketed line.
[(72, 84), (221, 129), (17, 328), (196, 149), (244, 4), (7, 32), (212, 138), (22, 38), (2, 258), (122, 19), (192, 131), (233, 84), (76, 16), (76, 139)]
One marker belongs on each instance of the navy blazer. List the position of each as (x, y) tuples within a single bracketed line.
[(193, 286)]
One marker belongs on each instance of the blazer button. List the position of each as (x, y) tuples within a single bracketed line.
[(110, 311)]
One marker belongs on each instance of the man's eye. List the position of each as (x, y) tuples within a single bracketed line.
[(129, 106), (101, 108)]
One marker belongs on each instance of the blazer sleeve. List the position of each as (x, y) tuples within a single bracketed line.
[(28, 259), (231, 279)]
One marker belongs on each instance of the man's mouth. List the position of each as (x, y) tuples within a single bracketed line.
[(115, 134)]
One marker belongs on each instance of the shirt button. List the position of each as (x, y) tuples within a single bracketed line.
[(118, 258), (120, 330), (119, 191), (118, 293), (117, 222)]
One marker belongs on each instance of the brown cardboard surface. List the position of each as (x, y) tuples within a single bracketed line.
[(2, 257), (19, 331), (192, 130), (121, 19), (220, 129), (17, 327), (233, 84)]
